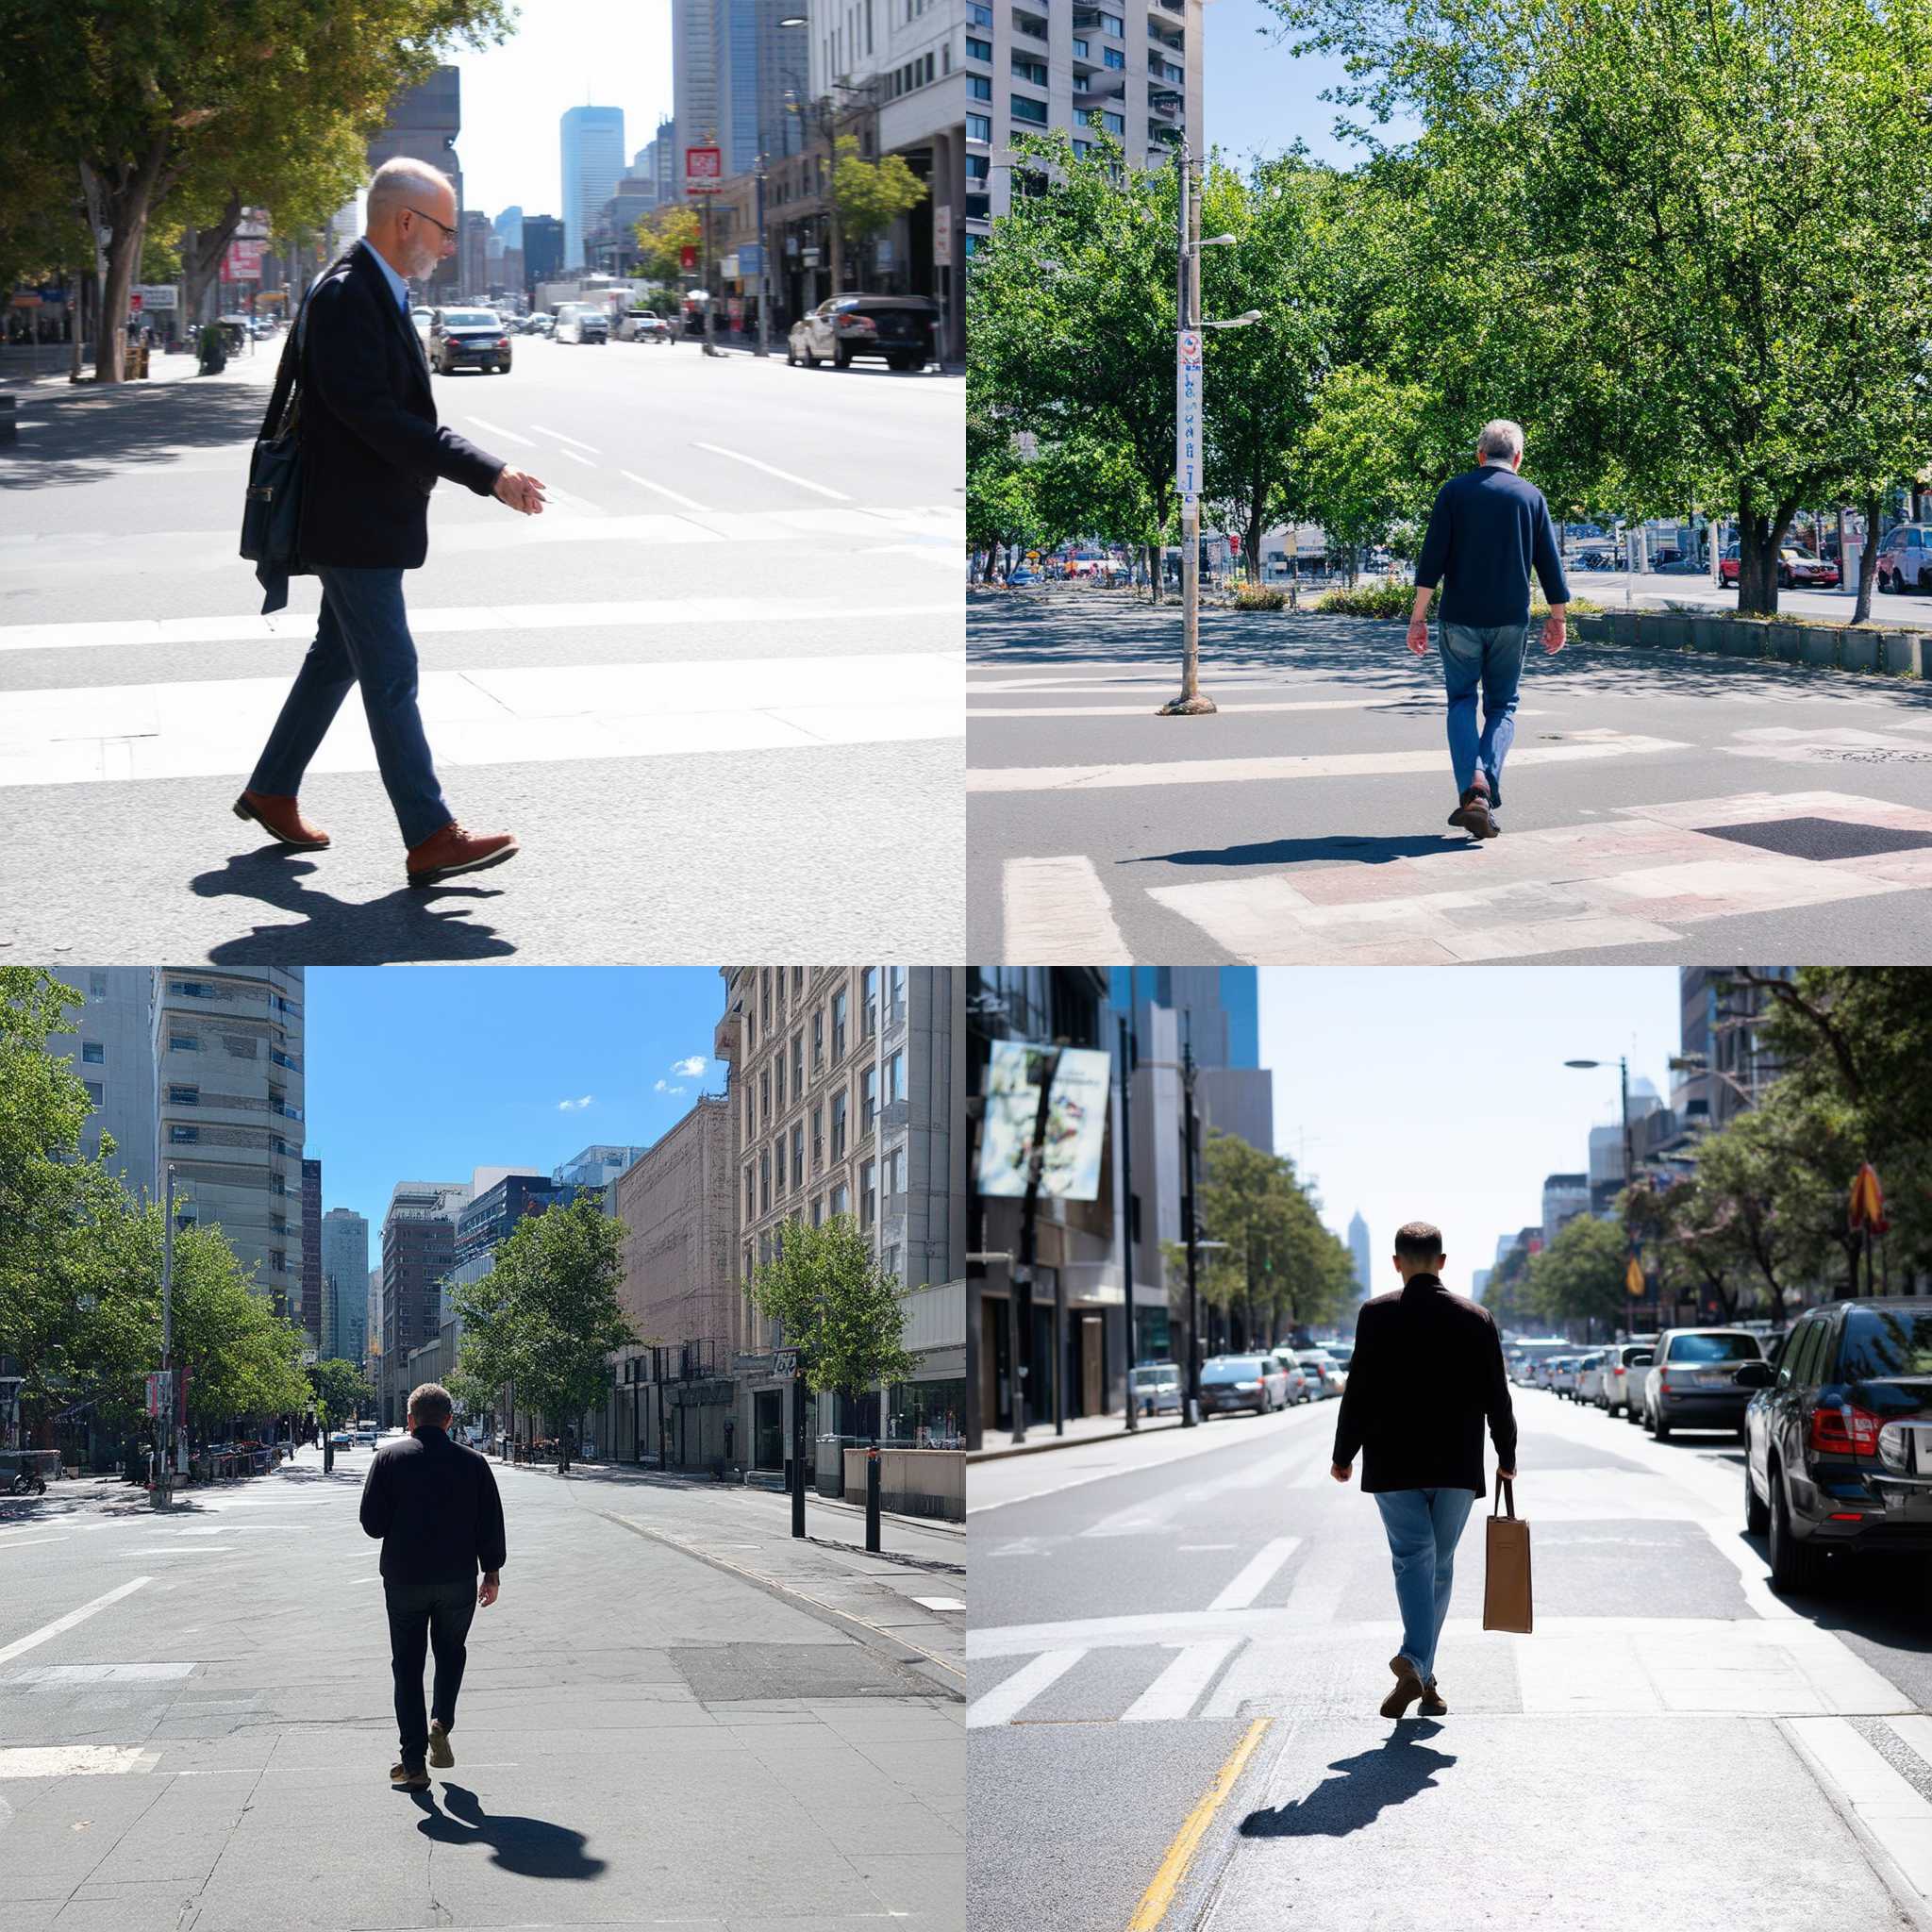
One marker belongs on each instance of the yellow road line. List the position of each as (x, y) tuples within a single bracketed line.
[(1173, 1868)]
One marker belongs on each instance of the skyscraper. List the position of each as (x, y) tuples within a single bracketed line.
[(111, 1043), (1358, 1247), (344, 1285), (418, 1246), (592, 140), (311, 1252), (424, 123)]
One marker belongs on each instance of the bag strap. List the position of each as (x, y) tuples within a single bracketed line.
[(1506, 1495), (287, 376)]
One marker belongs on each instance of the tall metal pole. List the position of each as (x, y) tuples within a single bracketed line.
[(1022, 1275), (764, 347), (1194, 1410), (1191, 703), (799, 1392), (163, 1490), (1129, 1339)]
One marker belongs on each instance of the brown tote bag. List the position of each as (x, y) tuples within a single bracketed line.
[(1506, 1581)]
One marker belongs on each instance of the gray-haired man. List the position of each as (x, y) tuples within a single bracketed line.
[(1487, 531)]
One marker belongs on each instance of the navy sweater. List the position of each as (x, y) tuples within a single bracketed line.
[(1488, 528)]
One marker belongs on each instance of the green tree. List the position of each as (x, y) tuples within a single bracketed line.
[(546, 1318), (836, 1306), (1362, 467), (999, 488), (664, 236), (340, 1393), (869, 197), (1579, 1275)]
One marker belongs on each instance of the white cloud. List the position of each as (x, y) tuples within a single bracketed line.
[(690, 1069), (574, 1105), (665, 1087)]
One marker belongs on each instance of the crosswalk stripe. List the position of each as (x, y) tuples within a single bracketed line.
[(1150, 708), (1008, 1698), (446, 621), (497, 430), (771, 470), (1172, 1694), (13, 1650), (537, 715), (562, 438), (1603, 744), (1057, 910), (645, 483), (1256, 1577)]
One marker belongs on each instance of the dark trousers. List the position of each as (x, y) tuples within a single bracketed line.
[(424, 1616), (362, 637)]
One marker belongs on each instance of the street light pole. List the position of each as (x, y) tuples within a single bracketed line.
[(1193, 1399), (1130, 1339), (162, 1494), (764, 347), (1191, 703), (1022, 1275)]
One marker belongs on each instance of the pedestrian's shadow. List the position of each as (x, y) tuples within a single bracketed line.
[(530, 1847), (1370, 1782), (401, 925), (1358, 850)]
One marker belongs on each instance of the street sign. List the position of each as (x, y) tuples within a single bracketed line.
[(704, 170), (1188, 392), (750, 259), (784, 1362), (243, 262), (157, 294), (810, 258), (134, 302), (729, 269), (942, 238), (160, 1392), (687, 257)]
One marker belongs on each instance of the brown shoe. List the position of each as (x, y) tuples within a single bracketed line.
[(1472, 813), (402, 1778), (454, 850), (1432, 1705), (282, 820), (1408, 1687), (439, 1753)]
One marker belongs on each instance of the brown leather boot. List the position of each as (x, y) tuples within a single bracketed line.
[(1408, 1687), (282, 820), (1432, 1705), (452, 850), (403, 1778), (1472, 813)]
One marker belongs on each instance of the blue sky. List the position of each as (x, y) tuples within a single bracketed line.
[(1258, 99), (426, 1073), (1436, 1094)]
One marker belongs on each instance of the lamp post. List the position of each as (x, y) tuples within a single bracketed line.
[(1623, 1066)]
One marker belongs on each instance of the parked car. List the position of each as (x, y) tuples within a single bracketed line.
[(580, 322), (1905, 560), (1339, 1352), (1838, 1438), (1560, 1372), (367, 1435), (901, 329), (1231, 1382), (467, 338), (1692, 1382), (340, 1439), (1158, 1389), (1331, 1380), (1620, 1384), (643, 326), (1795, 566), (1301, 1384), (1589, 1376), (1022, 576)]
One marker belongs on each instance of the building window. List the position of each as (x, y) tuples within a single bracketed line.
[(778, 1149), (1025, 68), (92, 1054), (895, 1172), (282, 1059), (747, 1111), (1113, 56), (765, 1183), (184, 1096), (1114, 124), (277, 1261), (765, 1096), (837, 1028), (747, 1260), (184, 1042), (838, 1125), (798, 979), (979, 87), (979, 50), (841, 1199), (979, 127), (891, 1259), (895, 1076), (799, 1062), (798, 1153), (778, 1067), (818, 1139), (750, 1207), (97, 986), (1112, 29), (1026, 109), (818, 1212), (868, 1099), (765, 996), (182, 1137), (869, 1001), (818, 1040), (93, 1091), (867, 1176), (192, 989)]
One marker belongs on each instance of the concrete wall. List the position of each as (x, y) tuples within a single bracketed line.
[(914, 1482), (675, 1204)]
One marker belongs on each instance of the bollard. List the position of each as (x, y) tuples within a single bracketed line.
[(872, 1498), (9, 421)]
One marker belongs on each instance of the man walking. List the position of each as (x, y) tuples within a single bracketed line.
[(434, 1504), (1489, 530), (1427, 1369), (371, 454)]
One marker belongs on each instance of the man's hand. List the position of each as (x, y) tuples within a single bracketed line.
[(1556, 629), (1419, 636), (485, 1590), (520, 490), (1509, 1475), (1341, 1471)]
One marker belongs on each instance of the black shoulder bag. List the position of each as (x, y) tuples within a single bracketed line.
[(271, 511)]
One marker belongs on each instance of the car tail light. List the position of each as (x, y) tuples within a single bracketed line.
[(503, 342), (1617, 1372), (1845, 1431)]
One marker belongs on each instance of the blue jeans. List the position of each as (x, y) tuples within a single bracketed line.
[(363, 637), (1422, 1526), (1490, 661)]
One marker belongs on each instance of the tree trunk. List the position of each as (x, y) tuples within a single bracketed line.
[(1760, 537), (1152, 573), (1868, 559), (202, 250)]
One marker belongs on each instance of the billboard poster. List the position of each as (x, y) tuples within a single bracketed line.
[(1075, 1120)]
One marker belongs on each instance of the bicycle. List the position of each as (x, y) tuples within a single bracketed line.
[(26, 1482)]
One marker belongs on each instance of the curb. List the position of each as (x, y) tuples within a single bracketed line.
[(1147, 1424)]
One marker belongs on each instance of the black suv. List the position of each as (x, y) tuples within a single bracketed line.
[(1838, 1440)]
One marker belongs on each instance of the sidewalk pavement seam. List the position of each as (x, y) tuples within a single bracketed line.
[(1808, 1740), (874, 1638)]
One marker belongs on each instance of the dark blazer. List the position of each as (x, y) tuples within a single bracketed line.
[(434, 1504), (371, 447), (1427, 1369)]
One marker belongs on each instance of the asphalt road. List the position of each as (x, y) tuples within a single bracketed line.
[(1179, 1642), (197, 1731), (713, 689), (1656, 809)]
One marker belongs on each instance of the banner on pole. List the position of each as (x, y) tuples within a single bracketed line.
[(704, 170), (1075, 1120), (1188, 390)]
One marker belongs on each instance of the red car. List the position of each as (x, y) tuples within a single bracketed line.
[(1794, 567)]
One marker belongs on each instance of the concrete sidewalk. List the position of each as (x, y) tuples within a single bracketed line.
[(1086, 1428)]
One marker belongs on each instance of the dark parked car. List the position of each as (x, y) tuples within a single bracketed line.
[(1693, 1380), (902, 328), (1231, 1382), (467, 338), (1838, 1438)]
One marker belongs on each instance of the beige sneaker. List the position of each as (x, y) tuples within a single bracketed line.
[(439, 1753)]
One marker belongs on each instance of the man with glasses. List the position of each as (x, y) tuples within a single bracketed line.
[(372, 451)]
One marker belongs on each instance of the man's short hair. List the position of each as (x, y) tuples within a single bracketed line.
[(430, 1403), (1500, 440), (399, 182), (1418, 1240)]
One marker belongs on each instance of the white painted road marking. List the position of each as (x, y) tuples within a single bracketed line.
[(497, 430), (645, 483), (71, 1761), (1057, 910), (1007, 1700), (1172, 1694), (562, 438), (575, 459), (771, 470), (1257, 1575), (70, 1620)]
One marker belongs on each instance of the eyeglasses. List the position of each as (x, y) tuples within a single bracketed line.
[(449, 234)]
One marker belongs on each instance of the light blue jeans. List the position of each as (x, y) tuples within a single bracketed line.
[(1423, 1527), (1489, 661)]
